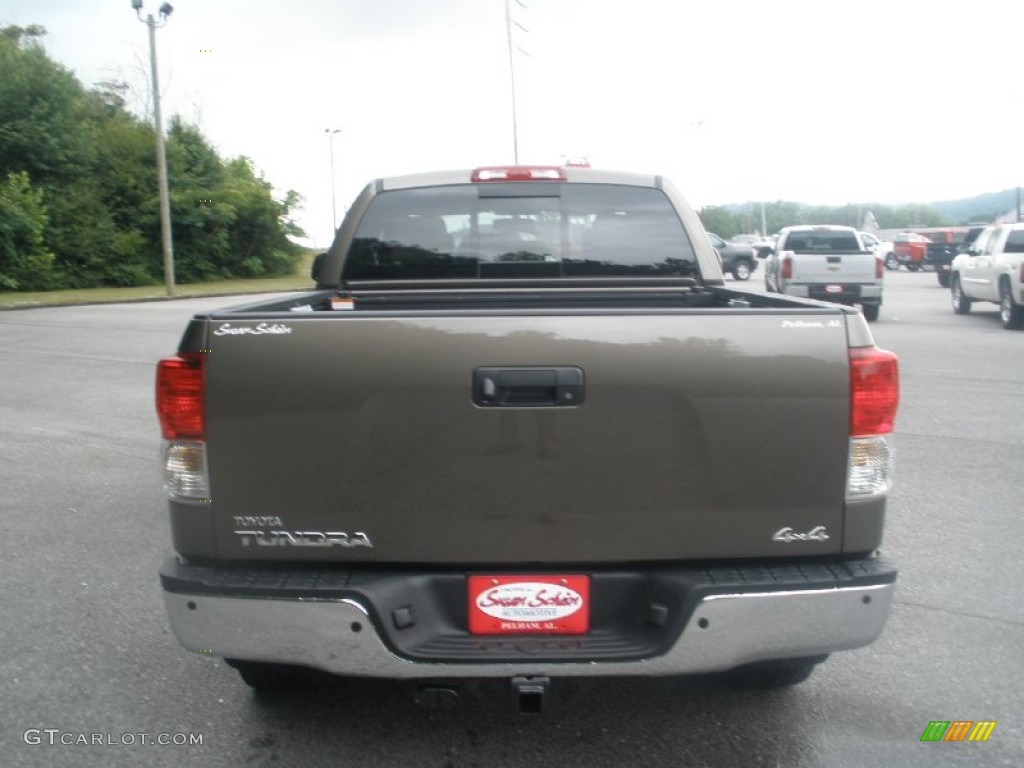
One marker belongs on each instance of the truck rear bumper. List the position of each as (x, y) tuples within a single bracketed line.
[(397, 625), (840, 293)]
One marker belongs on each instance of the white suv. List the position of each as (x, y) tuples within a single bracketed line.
[(991, 270)]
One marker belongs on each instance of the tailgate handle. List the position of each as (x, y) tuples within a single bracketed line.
[(833, 259), (528, 386)]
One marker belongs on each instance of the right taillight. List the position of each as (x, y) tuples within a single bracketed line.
[(180, 405), (879, 268), (787, 268), (874, 391), (874, 397)]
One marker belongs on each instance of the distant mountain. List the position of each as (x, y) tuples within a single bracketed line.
[(980, 208), (968, 210)]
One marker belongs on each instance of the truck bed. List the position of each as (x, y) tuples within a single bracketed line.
[(364, 421)]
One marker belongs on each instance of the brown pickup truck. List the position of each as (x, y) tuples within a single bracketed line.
[(521, 431)]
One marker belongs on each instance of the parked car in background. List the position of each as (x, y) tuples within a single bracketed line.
[(737, 259), (828, 263), (883, 249), (910, 249), (764, 249), (945, 245), (751, 240), (991, 270)]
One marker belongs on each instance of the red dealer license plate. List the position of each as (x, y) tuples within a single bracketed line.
[(529, 604), (833, 289)]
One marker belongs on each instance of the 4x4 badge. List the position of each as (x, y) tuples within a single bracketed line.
[(787, 535)]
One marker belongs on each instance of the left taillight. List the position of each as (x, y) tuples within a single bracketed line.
[(180, 406), (179, 396)]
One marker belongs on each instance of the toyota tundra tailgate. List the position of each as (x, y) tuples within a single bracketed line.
[(518, 438)]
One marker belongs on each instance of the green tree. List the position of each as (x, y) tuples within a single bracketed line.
[(226, 220), (43, 126), (55, 130), (783, 214), (719, 220), (25, 263), (201, 222), (260, 238), (93, 163)]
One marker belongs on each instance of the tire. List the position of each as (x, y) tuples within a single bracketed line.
[(943, 279), (769, 675), (1010, 313), (961, 304), (913, 267), (870, 311), (741, 270), (891, 262), (271, 679)]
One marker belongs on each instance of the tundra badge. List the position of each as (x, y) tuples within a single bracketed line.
[(303, 539)]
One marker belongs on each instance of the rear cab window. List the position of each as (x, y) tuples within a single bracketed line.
[(822, 241), (519, 230)]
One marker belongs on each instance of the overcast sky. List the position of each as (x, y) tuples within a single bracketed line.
[(816, 101)]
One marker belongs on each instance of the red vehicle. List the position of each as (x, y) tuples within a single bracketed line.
[(910, 249)]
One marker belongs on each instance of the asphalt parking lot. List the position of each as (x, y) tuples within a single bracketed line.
[(86, 650)]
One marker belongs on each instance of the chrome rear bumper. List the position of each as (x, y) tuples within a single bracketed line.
[(342, 635)]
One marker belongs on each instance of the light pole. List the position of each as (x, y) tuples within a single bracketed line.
[(334, 208), (161, 153), (512, 73)]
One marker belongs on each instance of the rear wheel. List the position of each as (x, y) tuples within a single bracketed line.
[(870, 311), (913, 267), (272, 679), (961, 304), (777, 673), (891, 262), (1010, 313), (741, 270)]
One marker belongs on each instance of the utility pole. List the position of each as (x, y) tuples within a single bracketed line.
[(161, 153), (334, 208), (512, 75)]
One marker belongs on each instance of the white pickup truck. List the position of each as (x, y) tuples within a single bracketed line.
[(991, 270), (828, 263)]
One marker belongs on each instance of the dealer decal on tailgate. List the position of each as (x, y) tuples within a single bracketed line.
[(527, 604)]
